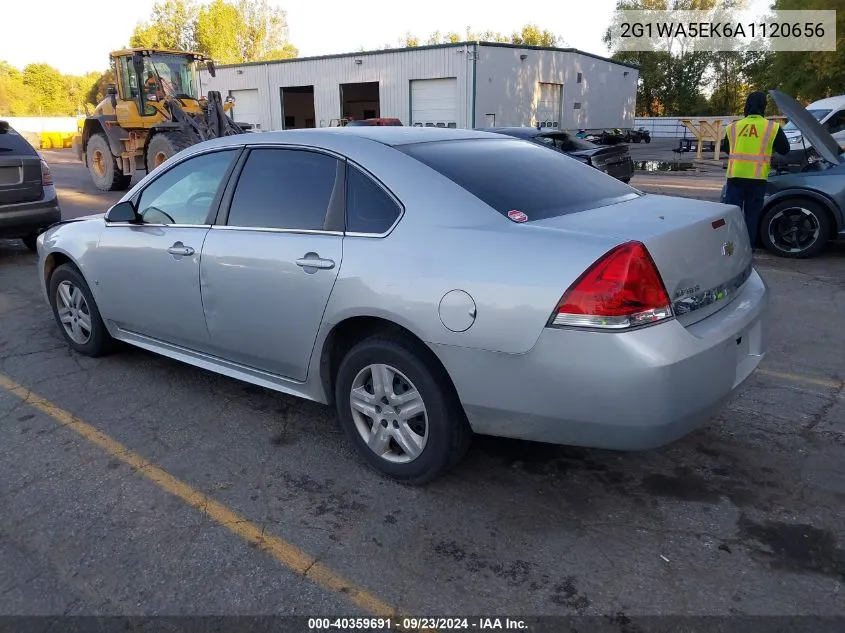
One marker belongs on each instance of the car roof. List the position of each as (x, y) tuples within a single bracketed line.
[(833, 103), (522, 132), (387, 135)]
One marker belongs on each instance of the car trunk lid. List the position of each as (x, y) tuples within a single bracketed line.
[(20, 179), (701, 249)]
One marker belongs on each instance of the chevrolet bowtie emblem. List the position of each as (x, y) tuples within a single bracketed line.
[(728, 249)]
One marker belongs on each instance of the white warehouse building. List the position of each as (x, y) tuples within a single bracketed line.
[(464, 85)]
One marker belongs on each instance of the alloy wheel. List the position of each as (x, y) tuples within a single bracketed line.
[(389, 413), (794, 229), (73, 311)]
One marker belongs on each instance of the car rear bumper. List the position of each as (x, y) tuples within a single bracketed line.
[(627, 391), (19, 220)]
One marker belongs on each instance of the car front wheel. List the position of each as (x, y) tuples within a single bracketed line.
[(796, 228), (76, 312), (398, 408)]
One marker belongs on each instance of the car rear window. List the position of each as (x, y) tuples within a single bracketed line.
[(11, 141), (510, 174)]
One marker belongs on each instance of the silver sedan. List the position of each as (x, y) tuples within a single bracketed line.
[(429, 283)]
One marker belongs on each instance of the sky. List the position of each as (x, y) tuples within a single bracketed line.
[(76, 37)]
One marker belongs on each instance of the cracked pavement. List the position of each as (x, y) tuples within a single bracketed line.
[(743, 517)]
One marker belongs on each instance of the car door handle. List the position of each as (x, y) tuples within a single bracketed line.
[(180, 249), (315, 262)]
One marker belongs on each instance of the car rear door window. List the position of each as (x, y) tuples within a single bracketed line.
[(13, 143), (284, 189), (510, 174), (369, 208), (184, 193)]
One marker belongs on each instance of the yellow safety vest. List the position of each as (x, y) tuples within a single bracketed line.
[(751, 141)]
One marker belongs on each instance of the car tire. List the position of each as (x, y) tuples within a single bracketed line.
[(102, 166), (807, 221), (441, 432), (65, 282), (30, 241)]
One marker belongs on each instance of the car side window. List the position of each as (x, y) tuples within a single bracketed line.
[(545, 140), (284, 189), (369, 208), (836, 123), (184, 193)]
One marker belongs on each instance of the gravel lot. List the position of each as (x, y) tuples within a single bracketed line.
[(133, 485)]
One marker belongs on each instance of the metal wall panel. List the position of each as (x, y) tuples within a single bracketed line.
[(508, 88), (394, 72)]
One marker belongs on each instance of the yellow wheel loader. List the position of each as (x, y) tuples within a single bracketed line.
[(154, 111)]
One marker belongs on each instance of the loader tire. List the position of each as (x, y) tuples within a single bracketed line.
[(164, 145), (102, 165)]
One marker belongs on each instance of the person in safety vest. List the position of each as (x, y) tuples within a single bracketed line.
[(749, 143)]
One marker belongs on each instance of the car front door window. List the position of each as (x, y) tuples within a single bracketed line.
[(184, 194), (268, 273)]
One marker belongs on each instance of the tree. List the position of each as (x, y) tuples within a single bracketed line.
[(532, 35), (219, 31), (529, 35), (672, 77), (807, 76), (171, 25), (48, 89)]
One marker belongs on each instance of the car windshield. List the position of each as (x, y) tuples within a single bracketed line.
[(817, 114), (516, 175)]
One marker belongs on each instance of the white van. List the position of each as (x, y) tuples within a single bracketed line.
[(830, 113)]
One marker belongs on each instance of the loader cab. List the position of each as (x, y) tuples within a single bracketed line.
[(146, 78)]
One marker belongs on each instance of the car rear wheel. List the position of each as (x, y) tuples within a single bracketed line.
[(399, 410), (76, 312), (796, 228)]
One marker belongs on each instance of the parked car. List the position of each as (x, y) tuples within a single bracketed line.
[(640, 135), (382, 121), (830, 113), (28, 199), (615, 161), (804, 210), (429, 283)]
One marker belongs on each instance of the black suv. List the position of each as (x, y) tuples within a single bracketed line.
[(28, 200)]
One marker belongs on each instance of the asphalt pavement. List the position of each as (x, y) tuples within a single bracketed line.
[(135, 485)]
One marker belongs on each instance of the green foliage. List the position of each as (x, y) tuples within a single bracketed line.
[(41, 90), (228, 31), (172, 24), (672, 82), (529, 35), (805, 75)]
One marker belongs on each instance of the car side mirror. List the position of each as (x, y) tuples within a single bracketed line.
[(209, 65), (123, 212)]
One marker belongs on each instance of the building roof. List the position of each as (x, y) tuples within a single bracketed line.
[(407, 49)]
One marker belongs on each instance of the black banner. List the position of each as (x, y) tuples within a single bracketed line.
[(294, 624)]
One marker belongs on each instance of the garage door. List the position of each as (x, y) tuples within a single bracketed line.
[(246, 108), (548, 105), (434, 102)]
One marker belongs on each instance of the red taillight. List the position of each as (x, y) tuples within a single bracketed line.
[(621, 290), (46, 174)]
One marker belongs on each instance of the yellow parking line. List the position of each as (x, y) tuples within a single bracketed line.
[(288, 555), (820, 382)]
